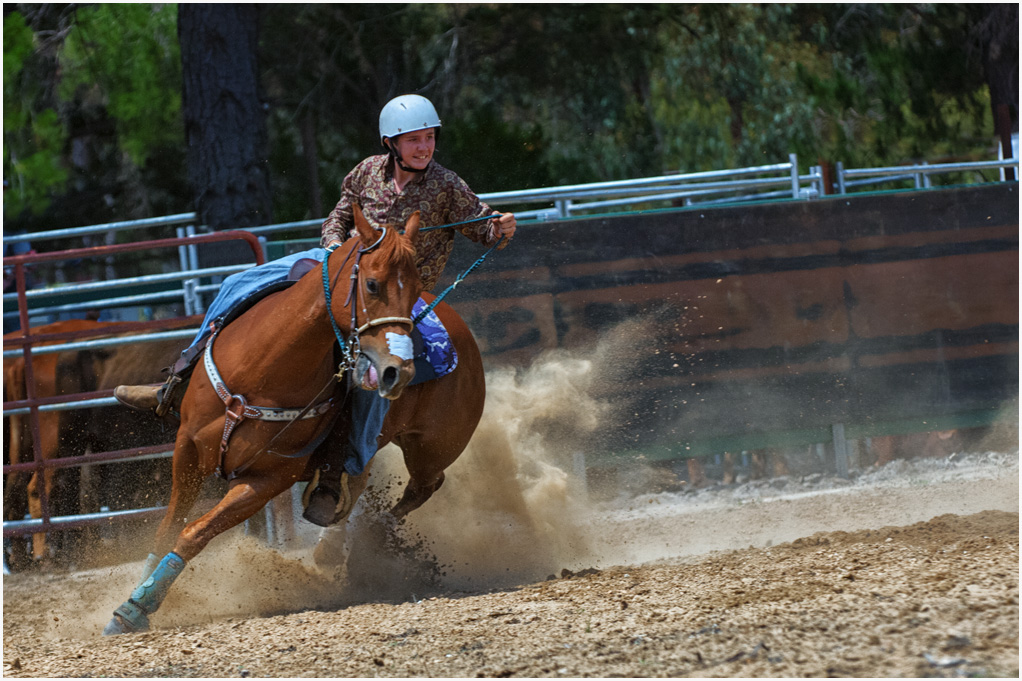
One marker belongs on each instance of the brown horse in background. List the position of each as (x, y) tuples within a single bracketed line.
[(22, 488), (280, 354), (71, 433)]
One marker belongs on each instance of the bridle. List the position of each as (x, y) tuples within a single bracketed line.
[(349, 353)]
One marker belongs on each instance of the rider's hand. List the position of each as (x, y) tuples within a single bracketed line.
[(503, 226), (332, 245)]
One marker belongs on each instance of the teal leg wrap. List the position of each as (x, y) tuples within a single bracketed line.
[(150, 566), (133, 614), (150, 593)]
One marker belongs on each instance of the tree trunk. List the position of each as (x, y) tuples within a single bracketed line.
[(308, 126), (1000, 66), (224, 117)]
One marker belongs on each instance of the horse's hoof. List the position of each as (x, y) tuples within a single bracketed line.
[(127, 619), (116, 626)]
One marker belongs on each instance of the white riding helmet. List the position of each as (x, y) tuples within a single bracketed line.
[(407, 113)]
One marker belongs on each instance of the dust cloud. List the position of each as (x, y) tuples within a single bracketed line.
[(514, 506)]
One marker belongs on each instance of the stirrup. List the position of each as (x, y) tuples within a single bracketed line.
[(166, 394), (338, 489), (180, 373)]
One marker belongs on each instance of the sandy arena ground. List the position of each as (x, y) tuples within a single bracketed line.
[(513, 569)]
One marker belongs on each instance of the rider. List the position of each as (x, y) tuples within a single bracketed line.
[(388, 188)]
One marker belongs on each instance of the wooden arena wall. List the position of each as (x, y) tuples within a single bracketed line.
[(787, 315)]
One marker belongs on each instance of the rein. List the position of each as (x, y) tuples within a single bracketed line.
[(461, 277)]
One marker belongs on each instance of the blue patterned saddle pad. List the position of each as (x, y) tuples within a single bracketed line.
[(437, 356)]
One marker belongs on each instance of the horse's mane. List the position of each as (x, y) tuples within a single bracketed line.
[(394, 250)]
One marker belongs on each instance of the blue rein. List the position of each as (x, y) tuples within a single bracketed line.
[(429, 308), (329, 307)]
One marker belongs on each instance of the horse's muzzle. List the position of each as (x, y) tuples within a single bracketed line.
[(387, 376)]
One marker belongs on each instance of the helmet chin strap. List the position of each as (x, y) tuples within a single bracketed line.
[(400, 161)]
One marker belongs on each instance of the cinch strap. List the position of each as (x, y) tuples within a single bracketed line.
[(238, 409)]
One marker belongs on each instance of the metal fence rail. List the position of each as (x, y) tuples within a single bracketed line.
[(710, 187), (166, 221), (919, 174)]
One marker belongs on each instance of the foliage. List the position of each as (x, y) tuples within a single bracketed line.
[(125, 59), (33, 132), (727, 90), (92, 114), (901, 87)]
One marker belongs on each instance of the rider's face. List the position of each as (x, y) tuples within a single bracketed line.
[(416, 148)]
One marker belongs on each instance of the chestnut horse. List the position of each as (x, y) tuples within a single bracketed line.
[(280, 354)]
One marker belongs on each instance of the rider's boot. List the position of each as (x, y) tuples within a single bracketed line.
[(150, 397), (161, 399), (140, 397), (330, 500)]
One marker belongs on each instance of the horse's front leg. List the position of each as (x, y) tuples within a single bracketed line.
[(186, 483), (244, 497), (425, 457)]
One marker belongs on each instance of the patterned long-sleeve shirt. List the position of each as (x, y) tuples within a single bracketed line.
[(438, 194)]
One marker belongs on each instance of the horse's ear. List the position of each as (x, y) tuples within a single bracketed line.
[(365, 230), (412, 226)]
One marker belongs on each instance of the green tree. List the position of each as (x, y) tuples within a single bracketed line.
[(33, 132), (902, 86), (92, 119), (125, 58), (727, 88)]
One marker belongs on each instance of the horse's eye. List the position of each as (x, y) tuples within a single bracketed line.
[(372, 286)]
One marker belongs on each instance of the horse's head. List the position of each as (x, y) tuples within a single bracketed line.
[(388, 286)]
